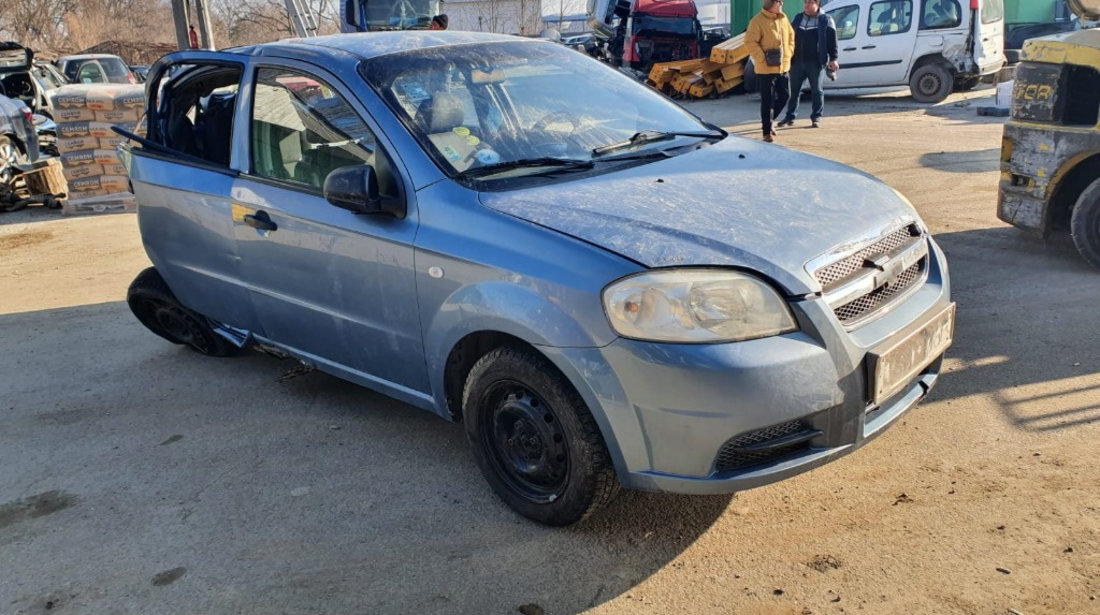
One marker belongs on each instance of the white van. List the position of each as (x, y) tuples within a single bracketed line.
[(933, 46)]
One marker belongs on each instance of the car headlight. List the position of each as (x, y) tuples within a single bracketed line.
[(696, 306)]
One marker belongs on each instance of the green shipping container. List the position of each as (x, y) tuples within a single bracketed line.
[(741, 11), (1029, 11)]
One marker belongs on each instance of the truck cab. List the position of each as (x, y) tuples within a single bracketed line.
[(374, 15), (1050, 153), (640, 33)]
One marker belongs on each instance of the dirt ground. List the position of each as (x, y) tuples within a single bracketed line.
[(138, 477)]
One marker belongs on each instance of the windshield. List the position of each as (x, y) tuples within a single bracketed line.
[(115, 68), (664, 26), (51, 77), (365, 15), (473, 106)]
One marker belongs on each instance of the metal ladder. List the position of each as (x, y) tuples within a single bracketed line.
[(305, 25)]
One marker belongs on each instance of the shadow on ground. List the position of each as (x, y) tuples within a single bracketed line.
[(979, 161), (212, 486), (1021, 297)]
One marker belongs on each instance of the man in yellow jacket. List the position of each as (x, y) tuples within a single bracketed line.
[(770, 41)]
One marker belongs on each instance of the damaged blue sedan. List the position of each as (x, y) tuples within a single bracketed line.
[(602, 288)]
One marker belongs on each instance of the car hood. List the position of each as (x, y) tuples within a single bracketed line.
[(738, 203)]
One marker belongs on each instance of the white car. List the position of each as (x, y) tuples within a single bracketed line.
[(933, 46)]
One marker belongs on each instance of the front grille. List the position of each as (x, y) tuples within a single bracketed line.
[(857, 266), (752, 448), (843, 268), (867, 303)]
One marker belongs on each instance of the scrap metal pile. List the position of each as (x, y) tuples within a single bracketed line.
[(715, 76)]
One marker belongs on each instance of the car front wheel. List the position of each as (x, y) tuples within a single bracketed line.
[(534, 438)]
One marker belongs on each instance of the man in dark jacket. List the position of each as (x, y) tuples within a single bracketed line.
[(815, 52)]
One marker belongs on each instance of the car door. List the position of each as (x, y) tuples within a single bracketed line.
[(185, 210), (989, 46), (876, 42), (329, 285), (943, 26)]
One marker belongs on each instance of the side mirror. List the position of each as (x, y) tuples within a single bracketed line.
[(355, 189)]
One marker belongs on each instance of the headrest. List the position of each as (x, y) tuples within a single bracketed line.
[(442, 113)]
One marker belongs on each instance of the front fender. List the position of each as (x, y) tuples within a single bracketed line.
[(535, 317)]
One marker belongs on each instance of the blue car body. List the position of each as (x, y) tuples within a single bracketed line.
[(395, 303)]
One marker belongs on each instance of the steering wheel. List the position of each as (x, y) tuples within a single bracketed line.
[(556, 118)]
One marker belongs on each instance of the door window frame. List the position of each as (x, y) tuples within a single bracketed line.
[(855, 28), (926, 4), (401, 180), (157, 130), (871, 14)]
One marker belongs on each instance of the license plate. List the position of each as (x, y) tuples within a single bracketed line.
[(902, 359)]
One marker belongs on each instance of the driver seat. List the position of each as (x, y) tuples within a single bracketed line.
[(441, 119)]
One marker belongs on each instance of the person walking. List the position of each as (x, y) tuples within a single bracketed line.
[(770, 41), (816, 52)]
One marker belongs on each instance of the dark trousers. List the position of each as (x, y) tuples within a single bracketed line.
[(774, 92), (815, 74)]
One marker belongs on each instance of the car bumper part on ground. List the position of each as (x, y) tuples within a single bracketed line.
[(708, 419)]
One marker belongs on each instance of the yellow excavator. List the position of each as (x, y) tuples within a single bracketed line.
[(1050, 153)]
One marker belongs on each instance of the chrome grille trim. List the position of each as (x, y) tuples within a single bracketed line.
[(861, 284), (836, 271)]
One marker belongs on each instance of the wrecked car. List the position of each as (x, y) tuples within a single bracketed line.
[(603, 289), (26, 79)]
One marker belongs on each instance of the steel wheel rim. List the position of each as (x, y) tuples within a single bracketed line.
[(178, 323), (930, 84), (525, 442)]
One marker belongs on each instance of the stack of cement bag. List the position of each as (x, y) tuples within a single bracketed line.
[(85, 115)]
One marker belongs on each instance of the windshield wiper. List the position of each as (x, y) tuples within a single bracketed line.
[(649, 136), (558, 164)]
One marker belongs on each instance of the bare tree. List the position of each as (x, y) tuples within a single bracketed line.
[(246, 22), (38, 24)]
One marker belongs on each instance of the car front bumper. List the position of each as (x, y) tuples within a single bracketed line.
[(707, 419)]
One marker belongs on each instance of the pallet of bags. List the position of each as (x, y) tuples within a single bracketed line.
[(86, 116), (118, 202)]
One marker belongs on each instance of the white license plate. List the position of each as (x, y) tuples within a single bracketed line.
[(902, 359)]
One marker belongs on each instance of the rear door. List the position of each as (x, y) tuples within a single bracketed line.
[(184, 190), (990, 40), (944, 28), (876, 41), (328, 284)]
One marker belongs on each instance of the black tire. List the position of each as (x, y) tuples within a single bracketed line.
[(1085, 224), (153, 303), (748, 80), (965, 84), (534, 439), (931, 83)]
